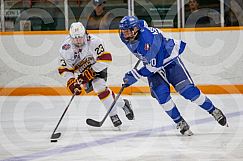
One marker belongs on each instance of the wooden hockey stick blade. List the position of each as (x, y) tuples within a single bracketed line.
[(94, 123), (55, 135)]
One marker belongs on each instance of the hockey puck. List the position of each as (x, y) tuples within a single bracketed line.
[(53, 141)]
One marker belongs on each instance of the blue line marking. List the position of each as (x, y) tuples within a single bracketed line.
[(109, 140)]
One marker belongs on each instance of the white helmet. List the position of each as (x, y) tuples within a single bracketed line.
[(77, 33), (77, 30)]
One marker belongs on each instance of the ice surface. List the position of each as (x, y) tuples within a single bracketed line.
[(26, 124)]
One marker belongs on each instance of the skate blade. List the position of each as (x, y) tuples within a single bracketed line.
[(188, 133), (118, 128)]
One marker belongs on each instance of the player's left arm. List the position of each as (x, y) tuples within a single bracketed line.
[(102, 61), (153, 57), (103, 58), (152, 46)]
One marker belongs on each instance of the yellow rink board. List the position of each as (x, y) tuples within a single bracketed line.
[(55, 91)]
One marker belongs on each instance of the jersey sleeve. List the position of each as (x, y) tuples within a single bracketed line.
[(153, 42), (65, 69), (142, 23), (147, 70), (103, 58), (151, 52)]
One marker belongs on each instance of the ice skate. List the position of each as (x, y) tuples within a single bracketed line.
[(219, 117), (184, 128), (128, 110), (116, 121)]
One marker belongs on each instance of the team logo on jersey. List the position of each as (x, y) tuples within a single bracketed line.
[(146, 46), (66, 46), (83, 64)]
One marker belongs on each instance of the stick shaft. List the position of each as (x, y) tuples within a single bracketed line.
[(98, 124), (64, 113), (113, 104), (117, 97)]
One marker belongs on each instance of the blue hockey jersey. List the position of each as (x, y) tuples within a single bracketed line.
[(153, 49)]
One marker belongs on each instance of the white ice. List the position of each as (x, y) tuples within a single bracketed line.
[(26, 124)]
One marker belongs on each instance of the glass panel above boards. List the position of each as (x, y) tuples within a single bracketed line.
[(99, 14), (157, 13), (201, 13), (34, 15)]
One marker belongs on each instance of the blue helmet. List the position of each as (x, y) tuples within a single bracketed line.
[(128, 22)]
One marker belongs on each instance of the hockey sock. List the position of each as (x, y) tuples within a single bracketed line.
[(193, 94), (171, 109), (107, 98), (205, 103)]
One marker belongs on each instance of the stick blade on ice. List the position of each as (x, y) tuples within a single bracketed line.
[(94, 123), (55, 136)]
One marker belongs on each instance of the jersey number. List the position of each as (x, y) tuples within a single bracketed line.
[(63, 63), (100, 49), (153, 30), (153, 62)]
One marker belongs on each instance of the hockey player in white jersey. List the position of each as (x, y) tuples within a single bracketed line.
[(83, 63)]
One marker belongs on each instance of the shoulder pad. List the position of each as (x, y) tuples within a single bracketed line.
[(147, 35), (95, 38)]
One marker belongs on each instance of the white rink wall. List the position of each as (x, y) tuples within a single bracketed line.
[(212, 57)]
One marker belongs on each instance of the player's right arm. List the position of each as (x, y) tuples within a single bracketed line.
[(66, 69)]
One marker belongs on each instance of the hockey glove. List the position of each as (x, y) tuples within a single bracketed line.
[(131, 77), (74, 86), (87, 75)]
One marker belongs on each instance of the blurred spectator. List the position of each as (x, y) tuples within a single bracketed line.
[(197, 17), (233, 14), (193, 5), (100, 18)]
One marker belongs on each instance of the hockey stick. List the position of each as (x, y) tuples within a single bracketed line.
[(162, 73), (57, 135), (95, 123)]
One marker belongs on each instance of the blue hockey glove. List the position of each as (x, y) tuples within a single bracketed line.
[(131, 77)]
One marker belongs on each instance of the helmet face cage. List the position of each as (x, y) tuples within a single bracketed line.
[(78, 41)]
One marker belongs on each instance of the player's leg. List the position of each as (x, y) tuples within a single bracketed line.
[(106, 96), (183, 83), (127, 107), (161, 91), (125, 104), (192, 93), (121, 103)]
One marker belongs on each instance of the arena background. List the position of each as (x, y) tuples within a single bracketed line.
[(29, 60)]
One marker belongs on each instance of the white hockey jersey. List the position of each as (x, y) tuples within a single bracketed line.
[(74, 60)]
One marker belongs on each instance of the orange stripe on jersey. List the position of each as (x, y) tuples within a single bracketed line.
[(104, 57), (61, 70), (103, 95)]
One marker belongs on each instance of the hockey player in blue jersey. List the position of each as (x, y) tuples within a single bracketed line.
[(163, 67)]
